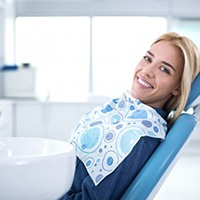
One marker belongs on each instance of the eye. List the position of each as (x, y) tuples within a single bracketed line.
[(147, 58), (165, 70)]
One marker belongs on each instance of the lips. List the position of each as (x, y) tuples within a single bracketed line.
[(144, 83)]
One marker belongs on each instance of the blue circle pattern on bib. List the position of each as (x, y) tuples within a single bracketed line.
[(105, 136)]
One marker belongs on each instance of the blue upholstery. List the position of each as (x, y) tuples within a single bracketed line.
[(156, 166), (150, 178), (194, 93)]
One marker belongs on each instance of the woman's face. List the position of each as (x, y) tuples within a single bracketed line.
[(158, 74)]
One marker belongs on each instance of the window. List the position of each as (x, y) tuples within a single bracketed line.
[(78, 55), (59, 48), (118, 45)]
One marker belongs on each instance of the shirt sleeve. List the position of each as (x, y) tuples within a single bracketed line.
[(113, 186)]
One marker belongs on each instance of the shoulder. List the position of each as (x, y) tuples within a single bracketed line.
[(146, 146)]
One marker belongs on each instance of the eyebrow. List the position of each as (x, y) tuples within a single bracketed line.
[(166, 63)]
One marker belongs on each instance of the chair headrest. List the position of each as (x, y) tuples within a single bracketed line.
[(194, 96)]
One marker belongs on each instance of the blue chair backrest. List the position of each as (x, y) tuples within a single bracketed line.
[(194, 97), (151, 177)]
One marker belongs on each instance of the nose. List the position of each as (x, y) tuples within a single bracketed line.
[(149, 70)]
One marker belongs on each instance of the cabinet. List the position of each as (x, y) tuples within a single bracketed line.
[(48, 119), (6, 119)]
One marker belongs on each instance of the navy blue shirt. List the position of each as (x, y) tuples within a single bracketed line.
[(114, 185)]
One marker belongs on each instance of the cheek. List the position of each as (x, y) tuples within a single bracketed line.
[(140, 64), (135, 71), (166, 84), (169, 87), (138, 67)]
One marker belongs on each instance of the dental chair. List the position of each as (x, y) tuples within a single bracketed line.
[(154, 173)]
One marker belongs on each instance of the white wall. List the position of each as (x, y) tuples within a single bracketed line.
[(94, 7), (2, 41), (174, 8), (9, 36), (2, 34)]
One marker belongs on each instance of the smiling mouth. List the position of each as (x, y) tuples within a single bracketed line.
[(145, 84)]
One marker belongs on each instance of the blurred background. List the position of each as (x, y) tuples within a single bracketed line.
[(60, 58)]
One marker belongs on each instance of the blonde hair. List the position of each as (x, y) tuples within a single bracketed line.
[(190, 70)]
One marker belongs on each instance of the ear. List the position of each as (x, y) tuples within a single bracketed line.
[(176, 91)]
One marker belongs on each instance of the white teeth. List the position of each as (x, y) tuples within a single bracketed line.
[(144, 83)]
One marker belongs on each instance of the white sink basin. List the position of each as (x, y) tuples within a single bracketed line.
[(35, 168)]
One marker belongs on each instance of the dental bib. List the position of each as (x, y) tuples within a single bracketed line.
[(105, 136)]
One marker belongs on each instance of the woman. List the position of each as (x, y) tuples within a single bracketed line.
[(115, 140)]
